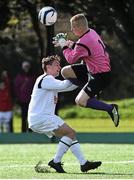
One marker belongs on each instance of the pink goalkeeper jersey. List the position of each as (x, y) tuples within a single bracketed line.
[(91, 50)]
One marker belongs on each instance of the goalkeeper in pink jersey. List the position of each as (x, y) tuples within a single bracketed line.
[(94, 74)]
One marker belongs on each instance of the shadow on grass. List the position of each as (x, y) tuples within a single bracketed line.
[(103, 173), (94, 173)]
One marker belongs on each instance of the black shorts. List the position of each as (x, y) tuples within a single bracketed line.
[(81, 72), (96, 84)]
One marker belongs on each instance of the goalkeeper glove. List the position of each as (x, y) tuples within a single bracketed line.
[(61, 36), (60, 40)]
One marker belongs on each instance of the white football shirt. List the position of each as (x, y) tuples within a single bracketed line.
[(44, 97)]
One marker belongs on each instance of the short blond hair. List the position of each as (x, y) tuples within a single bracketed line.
[(49, 60), (79, 20)]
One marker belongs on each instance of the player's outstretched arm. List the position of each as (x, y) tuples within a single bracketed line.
[(50, 83)]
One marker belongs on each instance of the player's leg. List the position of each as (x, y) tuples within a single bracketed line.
[(67, 135), (1, 122), (67, 141), (6, 122), (57, 127), (76, 73), (86, 97), (67, 72), (24, 111), (84, 100), (85, 165)]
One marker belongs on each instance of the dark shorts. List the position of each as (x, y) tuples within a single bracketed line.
[(96, 84), (81, 72)]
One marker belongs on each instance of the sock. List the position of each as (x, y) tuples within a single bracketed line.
[(76, 82), (75, 148), (63, 146), (98, 105)]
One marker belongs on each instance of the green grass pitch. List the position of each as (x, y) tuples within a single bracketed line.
[(18, 161)]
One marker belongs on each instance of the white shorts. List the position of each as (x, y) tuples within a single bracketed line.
[(5, 116), (50, 123)]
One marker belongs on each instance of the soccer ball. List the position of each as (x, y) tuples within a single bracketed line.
[(47, 15)]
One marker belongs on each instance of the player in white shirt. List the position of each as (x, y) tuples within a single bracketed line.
[(42, 118)]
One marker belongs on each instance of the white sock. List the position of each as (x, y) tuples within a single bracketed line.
[(76, 150), (63, 146)]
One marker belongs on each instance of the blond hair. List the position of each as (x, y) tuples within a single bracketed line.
[(79, 20)]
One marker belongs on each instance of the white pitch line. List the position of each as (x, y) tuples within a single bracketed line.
[(119, 162), (66, 164)]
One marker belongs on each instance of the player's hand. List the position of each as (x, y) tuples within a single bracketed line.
[(60, 40), (66, 43), (70, 43), (55, 42)]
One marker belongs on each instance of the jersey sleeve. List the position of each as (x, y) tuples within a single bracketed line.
[(70, 88), (74, 55), (50, 83)]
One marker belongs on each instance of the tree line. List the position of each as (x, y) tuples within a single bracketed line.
[(22, 37)]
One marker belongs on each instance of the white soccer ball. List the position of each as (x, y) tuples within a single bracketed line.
[(47, 15)]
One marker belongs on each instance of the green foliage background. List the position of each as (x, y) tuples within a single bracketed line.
[(126, 108), (22, 37), (88, 120)]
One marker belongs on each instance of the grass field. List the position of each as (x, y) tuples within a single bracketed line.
[(18, 161)]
